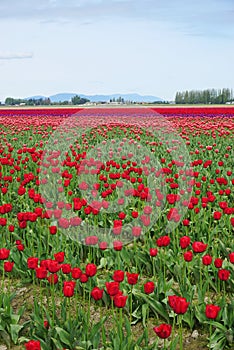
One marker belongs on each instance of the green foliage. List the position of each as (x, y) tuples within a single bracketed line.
[(209, 96), (77, 100)]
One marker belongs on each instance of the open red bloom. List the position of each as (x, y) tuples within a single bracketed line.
[(218, 263), (184, 242), (188, 256), (112, 288), (212, 311), (207, 259), (91, 270), (8, 266), (199, 247), (120, 300), (97, 293), (163, 331), (178, 304), (231, 257), (68, 288), (217, 215), (4, 253), (149, 287), (59, 257), (132, 278), (33, 345), (32, 262), (223, 274), (118, 276), (163, 241), (153, 251)]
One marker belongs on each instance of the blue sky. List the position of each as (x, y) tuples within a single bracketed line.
[(115, 46)]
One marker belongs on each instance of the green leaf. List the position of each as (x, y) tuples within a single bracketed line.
[(63, 336), (154, 305), (144, 308), (15, 329), (217, 325)]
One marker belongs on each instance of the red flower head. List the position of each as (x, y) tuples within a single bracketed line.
[(97, 293), (153, 251), (199, 247), (163, 241), (41, 272), (163, 331), (223, 274), (207, 259), (91, 270), (53, 230), (188, 256), (217, 215), (32, 263), (112, 288), (68, 288), (53, 278), (231, 257), (66, 268), (53, 266), (120, 300), (149, 287), (218, 263), (59, 257), (212, 311), (118, 276), (132, 278), (8, 266), (84, 278), (33, 345), (76, 273), (117, 245), (178, 304), (4, 253), (184, 242)]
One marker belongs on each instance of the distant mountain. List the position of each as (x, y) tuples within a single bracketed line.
[(100, 98), (37, 97)]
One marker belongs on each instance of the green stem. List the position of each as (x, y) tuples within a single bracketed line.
[(181, 332), (210, 335), (120, 324), (130, 306)]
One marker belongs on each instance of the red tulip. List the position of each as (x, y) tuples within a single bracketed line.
[(33, 345), (120, 300), (91, 270), (184, 242), (218, 263), (178, 304), (207, 259), (118, 276), (153, 251), (223, 274), (212, 311), (132, 278), (149, 287), (8, 266), (97, 293), (4, 253), (199, 247), (112, 288), (163, 331)]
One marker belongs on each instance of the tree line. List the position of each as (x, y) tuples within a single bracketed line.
[(10, 101), (208, 96)]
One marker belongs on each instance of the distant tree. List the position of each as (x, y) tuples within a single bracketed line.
[(77, 100), (208, 96)]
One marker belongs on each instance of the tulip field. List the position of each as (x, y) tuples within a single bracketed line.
[(117, 228)]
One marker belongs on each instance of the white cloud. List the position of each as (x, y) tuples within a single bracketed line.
[(15, 56)]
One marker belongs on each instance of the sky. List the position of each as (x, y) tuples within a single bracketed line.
[(150, 47)]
